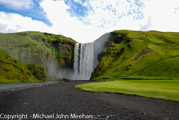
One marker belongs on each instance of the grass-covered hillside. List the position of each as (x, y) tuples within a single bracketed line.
[(139, 55), (38, 48), (13, 71)]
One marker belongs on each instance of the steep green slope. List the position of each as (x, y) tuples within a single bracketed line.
[(139, 55), (38, 48), (37, 71), (13, 71)]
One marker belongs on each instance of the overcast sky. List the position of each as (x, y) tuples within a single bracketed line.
[(86, 20)]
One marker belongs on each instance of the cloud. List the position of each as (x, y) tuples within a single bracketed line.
[(63, 23), (17, 4), (11, 22), (4, 28), (86, 20), (100, 17), (163, 14), (147, 26), (102, 13)]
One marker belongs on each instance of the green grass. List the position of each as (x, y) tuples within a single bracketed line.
[(165, 89), (17, 49), (13, 71), (38, 48), (37, 71), (20, 49), (6, 81), (139, 55)]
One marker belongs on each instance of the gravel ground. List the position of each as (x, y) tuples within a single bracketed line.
[(20, 86), (62, 101)]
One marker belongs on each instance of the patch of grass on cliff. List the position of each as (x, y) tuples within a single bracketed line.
[(165, 89), (38, 48), (37, 71), (13, 71), (139, 55)]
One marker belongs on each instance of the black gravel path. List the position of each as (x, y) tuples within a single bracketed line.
[(64, 100)]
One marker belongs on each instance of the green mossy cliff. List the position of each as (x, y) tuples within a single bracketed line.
[(38, 48), (139, 55), (13, 71), (127, 55)]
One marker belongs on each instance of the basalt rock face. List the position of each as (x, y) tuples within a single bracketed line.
[(39, 48), (66, 53), (139, 55)]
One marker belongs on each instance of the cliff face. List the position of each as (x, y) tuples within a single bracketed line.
[(66, 53), (139, 55), (36, 50), (125, 54), (12, 70), (39, 48)]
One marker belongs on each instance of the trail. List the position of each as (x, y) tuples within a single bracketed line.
[(64, 99)]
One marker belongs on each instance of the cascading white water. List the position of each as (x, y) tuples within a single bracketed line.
[(85, 57), (83, 61)]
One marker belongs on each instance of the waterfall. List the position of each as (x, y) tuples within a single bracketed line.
[(83, 61), (85, 57)]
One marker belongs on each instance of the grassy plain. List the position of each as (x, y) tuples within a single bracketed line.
[(165, 89)]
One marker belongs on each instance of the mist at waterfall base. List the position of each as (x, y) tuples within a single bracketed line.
[(56, 72), (84, 63)]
